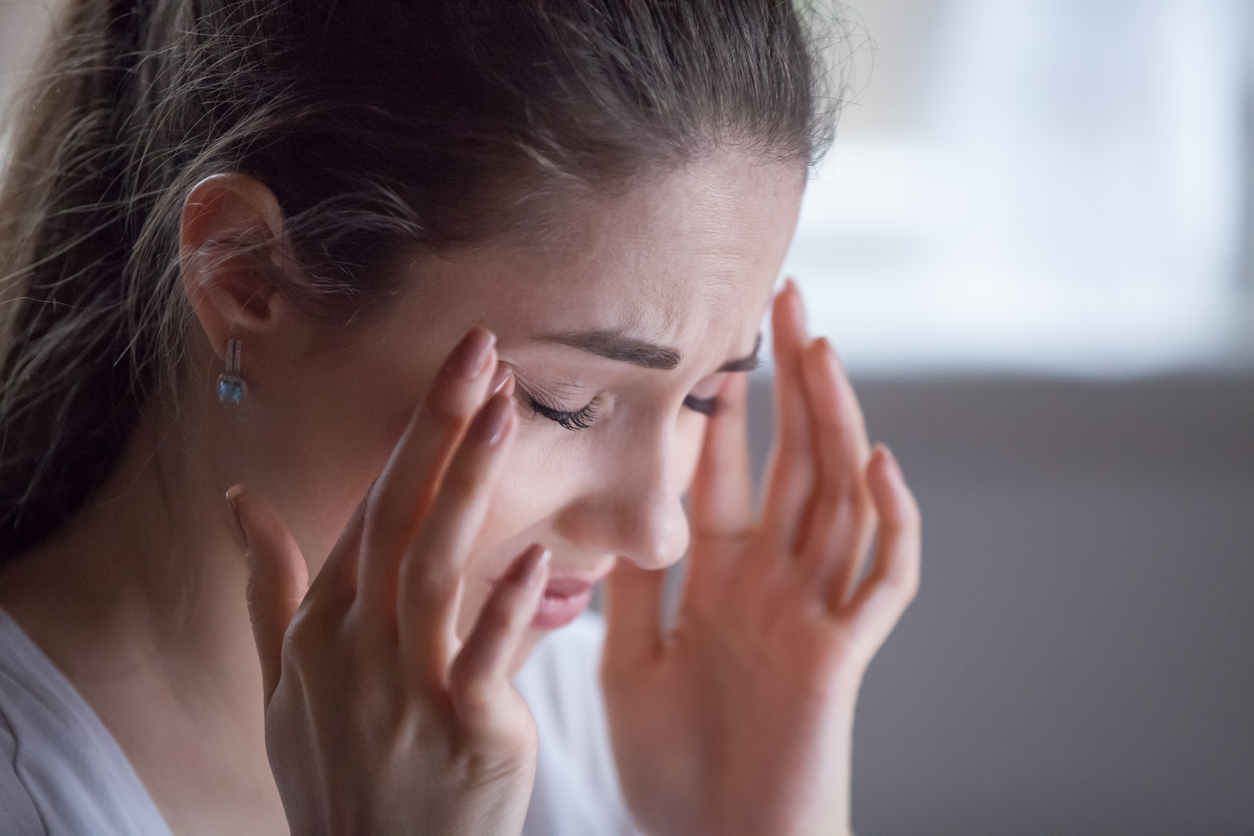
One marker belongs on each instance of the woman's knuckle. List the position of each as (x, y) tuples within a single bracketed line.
[(425, 588), (843, 501), (462, 481), (385, 516), (474, 700), (301, 640), (450, 403), (254, 592)]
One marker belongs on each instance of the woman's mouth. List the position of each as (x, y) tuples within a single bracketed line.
[(564, 599)]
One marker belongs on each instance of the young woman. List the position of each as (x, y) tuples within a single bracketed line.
[(453, 302)]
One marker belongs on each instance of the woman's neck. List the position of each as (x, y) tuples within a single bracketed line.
[(140, 602), (147, 566)]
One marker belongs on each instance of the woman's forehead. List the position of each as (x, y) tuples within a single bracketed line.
[(663, 262)]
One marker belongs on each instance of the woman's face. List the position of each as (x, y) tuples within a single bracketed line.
[(616, 331)]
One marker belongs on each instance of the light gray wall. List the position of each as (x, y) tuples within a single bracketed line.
[(1080, 659)]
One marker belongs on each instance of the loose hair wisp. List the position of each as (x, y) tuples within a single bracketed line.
[(379, 125)]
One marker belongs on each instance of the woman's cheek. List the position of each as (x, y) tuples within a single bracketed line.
[(689, 437), (528, 488), (526, 497)]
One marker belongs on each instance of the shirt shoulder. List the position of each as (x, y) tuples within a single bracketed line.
[(577, 791), (18, 815), (56, 752)]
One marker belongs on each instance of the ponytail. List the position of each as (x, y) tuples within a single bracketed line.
[(70, 385), (381, 127)]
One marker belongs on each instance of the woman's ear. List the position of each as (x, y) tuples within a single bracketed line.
[(231, 248)]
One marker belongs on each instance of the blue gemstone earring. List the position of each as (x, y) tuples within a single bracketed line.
[(231, 386)]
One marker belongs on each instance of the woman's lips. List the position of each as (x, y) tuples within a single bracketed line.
[(564, 599)]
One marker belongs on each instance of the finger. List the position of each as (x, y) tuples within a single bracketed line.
[(633, 618), (277, 580), (430, 573), (791, 472), (485, 661), (839, 527), (893, 581), (405, 490), (335, 585), (720, 501)]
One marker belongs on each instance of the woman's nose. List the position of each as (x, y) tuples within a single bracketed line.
[(635, 510)]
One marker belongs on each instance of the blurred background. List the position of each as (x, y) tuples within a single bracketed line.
[(1037, 186), (1032, 243)]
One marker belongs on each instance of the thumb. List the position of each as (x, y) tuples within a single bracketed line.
[(277, 579), (633, 618)]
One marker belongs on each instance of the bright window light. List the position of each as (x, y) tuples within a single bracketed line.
[(1060, 190)]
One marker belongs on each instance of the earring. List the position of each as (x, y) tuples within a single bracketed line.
[(231, 386)]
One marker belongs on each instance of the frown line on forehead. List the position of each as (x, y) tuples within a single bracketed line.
[(615, 345)]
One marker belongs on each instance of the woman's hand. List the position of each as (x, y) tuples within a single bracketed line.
[(378, 720), (740, 720)]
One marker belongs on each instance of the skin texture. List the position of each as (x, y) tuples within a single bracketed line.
[(752, 694), (386, 694)]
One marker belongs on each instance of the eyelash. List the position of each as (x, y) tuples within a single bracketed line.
[(578, 420), (706, 406), (584, 418)]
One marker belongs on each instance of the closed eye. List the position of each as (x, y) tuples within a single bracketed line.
[(706, 406), (582, 419), (579, 419)]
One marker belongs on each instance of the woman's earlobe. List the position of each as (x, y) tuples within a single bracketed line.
[(231, 240)]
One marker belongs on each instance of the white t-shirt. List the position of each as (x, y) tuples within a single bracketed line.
[(63, 774)]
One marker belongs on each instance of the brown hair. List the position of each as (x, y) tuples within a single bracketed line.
[(377, 125)]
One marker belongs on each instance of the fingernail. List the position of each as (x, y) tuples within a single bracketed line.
[(232, 497), (503, 376), (470, 358), (889, 457), (489, 424), (830, 356), (798, 307)]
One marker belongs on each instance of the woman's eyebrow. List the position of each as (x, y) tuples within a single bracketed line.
[(614, 345)]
